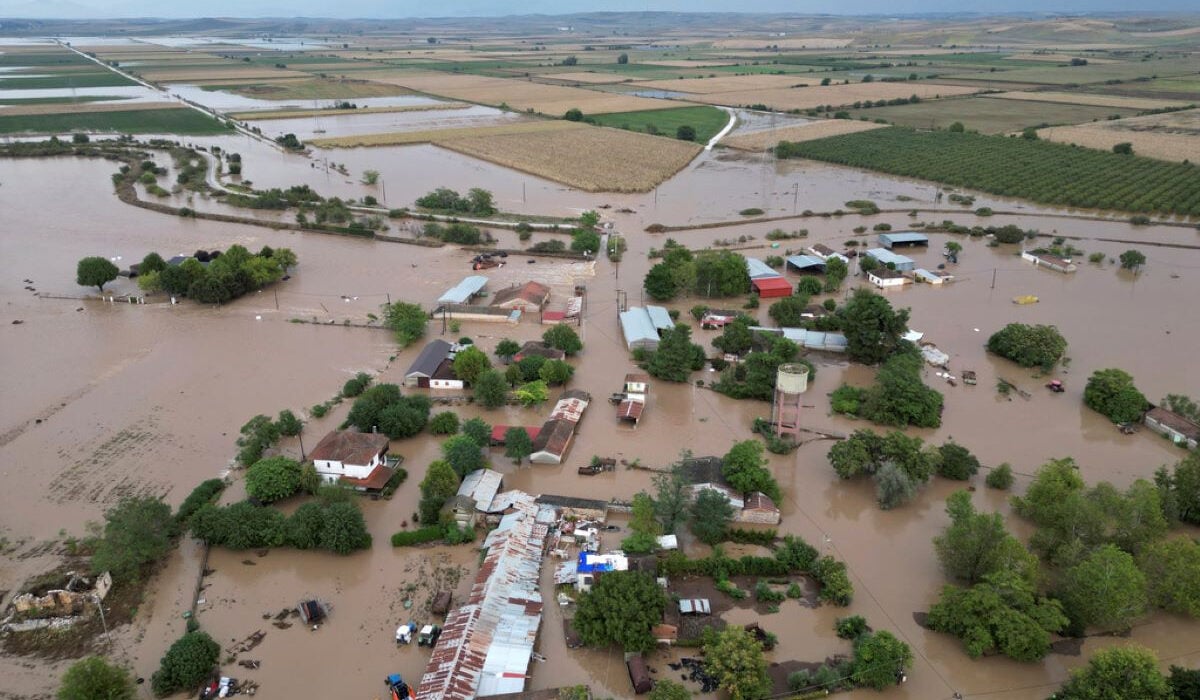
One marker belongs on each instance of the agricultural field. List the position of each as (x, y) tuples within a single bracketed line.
[(824, 128), (224, 71), (66, 101), (64, 106), (312, 89), (155, 121), (707, 121), (521, 95), (1048, 173), (1173, 136), (1183, 88), (586, 78), (442, 136), (729, 83), (833, 95), (1079, 75), (102, 78), (1083, 98), (299, 113), (988, 115)]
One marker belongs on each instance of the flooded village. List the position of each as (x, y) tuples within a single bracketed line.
[(426, 402)]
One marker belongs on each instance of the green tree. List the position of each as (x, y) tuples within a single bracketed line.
[(1124, 148), (686, 132), (343, 529), (835, 273), (880, 660), (957, 462), (1183, 405), (470, 363), (259, 433), (643, 525), (666, 689), (407, 321), (273, 479), (439, 485), (720, 273), (893, 487), (574, 114), (288, 424), (745, 468), (1001, 613), (900, 397), (444, 423), (517, 445), (736, 338), (370, 177), (710, 516), (1110, 392), (365, 412), (531, 393), (506, 348), (1184, 488), (623, 59), (137, 531), (788, 312), (478, 430), (1172, 570), (95, 272), (1185, 683), (810, 286), (186, 664), (1000, 478), (1029, 346), (660, 283), (1132, 260), (620, 609), (975, 545), (93, 678), (404, 418), (556, 372), (463, 454), (872, 327), (1118, 673), (1105, 590), (585, 240), (589, 219), (734, 658), (670, 496), (491, 389), (676, 356), (481, 202), (563, 337), (531, 367), (153, 262)]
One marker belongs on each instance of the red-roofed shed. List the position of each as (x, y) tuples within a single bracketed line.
[(772, 287), (498, 432)]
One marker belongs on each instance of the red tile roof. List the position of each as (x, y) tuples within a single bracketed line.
[(349, 447), (532, 293), (374, 481), (760, 501), (498, 432), (630, 410)]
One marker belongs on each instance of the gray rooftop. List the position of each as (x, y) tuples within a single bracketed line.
[(462, 292), (758, 269), (430, 359), (890, 238), (886, 256), (803, 262), (660, 317), (638, 328)]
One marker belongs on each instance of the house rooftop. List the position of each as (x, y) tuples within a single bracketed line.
[(777, 283), (637, 326), (884, 273), (805, 262), (660, 317), (892, 238), (886, 256), (430, 358), (698, 470), (537, 347), (349, 447), (374, 481), (481, 486), (1174, 421), (532, 293), (462, 292)]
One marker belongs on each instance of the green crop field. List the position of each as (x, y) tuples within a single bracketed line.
[(146, 121), (989, 115), (66, 80), (65, 100), (1040, 171), (1093, 73), (48, 59), (707, 121), (1182, 88)]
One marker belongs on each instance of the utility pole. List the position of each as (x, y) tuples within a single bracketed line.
[(276, 299), (993, 278), (383, 190), (795, 197)]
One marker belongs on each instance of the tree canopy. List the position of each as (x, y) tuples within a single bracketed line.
[(273, 478), (517, 445), (677, 356), (975, 545), (1002, 613), (1118, 673), (643, 525), (186, 664), (93, 678), (710, 515), (137, 531), (872, 327), (900, 397), (880, 660), (620, 609), (491, 389), (407, 322), (1172, 570), (734, 658), (1029, 346), (1105, 590), (469, 363), (1111, 393), (745, 468), (382, 406), (439, 485), (463, 454), (563, 337), (95, 272)]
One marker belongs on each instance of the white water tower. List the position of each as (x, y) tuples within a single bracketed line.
[(791, 381)]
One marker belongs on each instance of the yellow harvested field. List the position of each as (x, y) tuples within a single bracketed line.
[(1173, 136), (299, 113), (810, 131), (72, 108), (593, 159), (520, 95), (728, 83), (218, 72), (690, 64), (833, 95), (589, 78), (1083, 98), (444, 136), (812, 42)]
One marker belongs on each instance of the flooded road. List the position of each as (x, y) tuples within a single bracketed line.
[(148, 399)]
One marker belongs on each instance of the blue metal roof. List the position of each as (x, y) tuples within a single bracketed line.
[(886, 256), (462, 292), (660, 317), (637, 328), (892, 237), (759, 269), (801, 262)]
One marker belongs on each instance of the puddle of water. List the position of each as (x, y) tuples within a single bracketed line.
[(386, 122), (231, 102), (132, 93)]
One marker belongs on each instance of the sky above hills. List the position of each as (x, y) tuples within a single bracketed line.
[(387, 9)]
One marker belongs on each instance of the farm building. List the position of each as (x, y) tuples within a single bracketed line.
[(487, 644), (884, 256), (824, 252), (554, 438), (1179, 429), (353, 459), (1050, 261), (528, 296), (578, 508), (805, 263), (772, 287), (885, 278), (902, 239), (475, 495), (829, 341), (923, 275), (540, 349), (757, 269), (715, 319), (660, 317), (759, 508), (426, 365), (638, 329), (499, 431), (637, 383), (464, 291), (444, 376)]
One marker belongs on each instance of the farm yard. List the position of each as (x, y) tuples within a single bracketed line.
[(1172, 136)]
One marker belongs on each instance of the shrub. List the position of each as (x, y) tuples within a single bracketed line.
[(356, 386), (1029, 346), (957, 462), (408, 538), (444, 423), (206, 492), (851, 627), (186, 664), (1000, 478), (1111, 393), (751, 211), (273, 479), (763, 593)]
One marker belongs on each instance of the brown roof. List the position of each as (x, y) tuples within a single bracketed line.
[(444, 371), (630, 410), (665, 632), (822, 249), (884, 273), (640, 378), (532, 293), (760, 501), (374, 481), (554, 436), (349, 447), (1175, 422)]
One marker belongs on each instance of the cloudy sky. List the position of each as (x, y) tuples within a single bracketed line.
[(468, 8)]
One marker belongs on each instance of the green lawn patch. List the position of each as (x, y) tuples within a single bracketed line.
[(62, 100), (707, 121), (146, 121), (1040, 171), (66, 80), (49, 58)]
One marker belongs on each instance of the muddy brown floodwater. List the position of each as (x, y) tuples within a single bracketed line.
[(102, 401)]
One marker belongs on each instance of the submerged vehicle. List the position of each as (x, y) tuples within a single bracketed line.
[(1056, 386), (429, 635), (404, 633), (399, 689)]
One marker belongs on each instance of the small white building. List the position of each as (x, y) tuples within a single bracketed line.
[(354, 459), (885, 278), (1046, 260)]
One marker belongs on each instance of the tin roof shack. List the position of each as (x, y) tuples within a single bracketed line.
[(426, 365), (715, 319), (556, 434), (1179, 429), (578, 508), (1046, 260), (884, 256), (639, 675), (475, 495), (923, 275), (353, 459), (829, 341), (757, 269), (464, 291), (631, 407), (772, 287), (886, 279), (531, 296), (487, 643), (902, 239), (638, 328)]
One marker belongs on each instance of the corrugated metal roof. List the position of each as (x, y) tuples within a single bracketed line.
[(481, 486), (637, 327), (660, 317), (487, 643), (802, 262), (698, 606), (430, 358), (757, 269), (462, 292), (886, 256), (931, 277), (911, 237), (771, 284), (812, 340)]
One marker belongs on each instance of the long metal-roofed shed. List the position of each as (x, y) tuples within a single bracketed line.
[(758, 269), (638, 329), (464, 291), (885, 256), (660, 317), (902, 239), (805, 263)]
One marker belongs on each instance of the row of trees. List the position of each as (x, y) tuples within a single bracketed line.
[(333, 522), (708, 273), (900, 464), (898, 398), (477, 202)]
